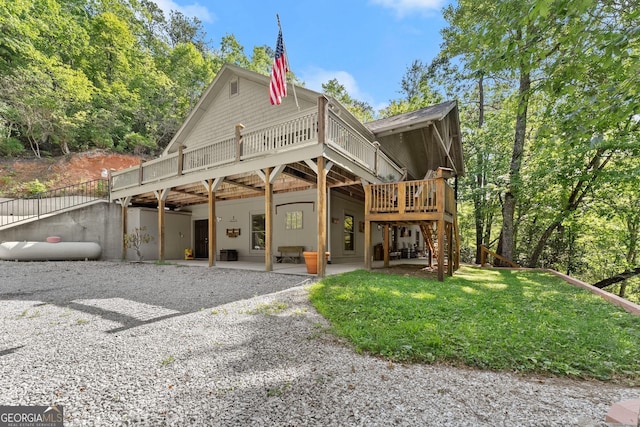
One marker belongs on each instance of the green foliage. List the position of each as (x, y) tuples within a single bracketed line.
[(523, 321), (361, 110), (33, 188), (10, 147), (551, 86)]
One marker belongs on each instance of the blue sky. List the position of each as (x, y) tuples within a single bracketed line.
[(366, 44)]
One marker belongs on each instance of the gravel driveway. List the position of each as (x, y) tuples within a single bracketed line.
[(144, 344)]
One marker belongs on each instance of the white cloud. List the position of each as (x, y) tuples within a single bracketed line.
[(194, 10), (314, 77), (404, 7)]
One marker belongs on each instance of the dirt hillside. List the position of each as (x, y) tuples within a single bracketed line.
[(60, 171)]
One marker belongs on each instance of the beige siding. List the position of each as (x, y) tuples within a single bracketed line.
[(341, 205), (250, 107), (237, 214), (177, 232)]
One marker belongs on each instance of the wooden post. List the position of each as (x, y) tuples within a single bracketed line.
[(441, 249), (213, 222), (322, 119), (161, 195), (450, 249), (440, 195), (322, 216), (268, 220), (367, 227), (239, 128), (180, 159), (367, 244), (386, 246), (161, 228), (402, 197), (124, 231), (124, 206), (375, 159)]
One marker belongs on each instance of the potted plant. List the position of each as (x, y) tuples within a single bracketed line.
[(311, 261)]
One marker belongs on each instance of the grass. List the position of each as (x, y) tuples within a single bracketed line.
[(523, 321), (168, 360), (270, 309)]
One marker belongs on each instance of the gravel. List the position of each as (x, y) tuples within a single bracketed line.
[(144, 344)]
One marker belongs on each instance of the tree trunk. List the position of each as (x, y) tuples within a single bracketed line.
[(507, 242), (617, 278), (478, 200), (535, 256), (623, 289), (582, 188), (65, 147)]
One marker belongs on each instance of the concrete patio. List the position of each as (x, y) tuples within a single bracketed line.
[(297, 269)]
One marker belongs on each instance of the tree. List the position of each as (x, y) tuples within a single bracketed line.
[(136, 239), (538, 46), (182, 29), (230, 52), (415, 90), (360, 109)]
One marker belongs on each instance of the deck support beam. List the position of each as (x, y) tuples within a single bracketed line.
[(124, 203), (385, 237), (322, 216), (162, 197), (367, 244), (213, 221), (268, 220), (441, 234)]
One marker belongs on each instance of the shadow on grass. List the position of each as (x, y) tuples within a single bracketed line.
[(519, 320)]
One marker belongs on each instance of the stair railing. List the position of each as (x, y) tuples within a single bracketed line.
[(17, 210)]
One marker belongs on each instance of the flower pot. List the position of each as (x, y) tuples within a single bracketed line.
[(311, 261)]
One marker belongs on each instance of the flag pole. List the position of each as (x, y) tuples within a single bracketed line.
[(286, 58)]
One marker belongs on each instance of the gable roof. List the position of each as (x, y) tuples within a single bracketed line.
[(412, 119), (219, 84), (422, 140)]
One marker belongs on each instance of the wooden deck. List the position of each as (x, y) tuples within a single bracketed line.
[(295, 138), (424, 203)]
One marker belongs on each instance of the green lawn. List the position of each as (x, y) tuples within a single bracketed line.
[(523, 321)]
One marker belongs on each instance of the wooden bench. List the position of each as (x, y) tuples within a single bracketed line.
[(289, 254)]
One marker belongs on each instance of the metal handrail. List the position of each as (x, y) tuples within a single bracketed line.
[(17, 210)]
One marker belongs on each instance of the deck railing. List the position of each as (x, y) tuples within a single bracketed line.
[(157, 169), (210, 155), (13, 211), (299, 130), (411, 197), (294, 132)]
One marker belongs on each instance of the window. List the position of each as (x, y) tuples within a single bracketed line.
[(233, 87), (293, 221), (257, 232), (349, 235)]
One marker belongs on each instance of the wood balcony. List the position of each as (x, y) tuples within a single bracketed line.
[(424, 203), (244, 144), (411, 201)]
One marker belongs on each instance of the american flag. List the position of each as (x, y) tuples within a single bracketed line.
[(278, 86)]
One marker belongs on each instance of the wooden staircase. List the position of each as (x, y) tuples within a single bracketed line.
[(430, 235), (429, 204)]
